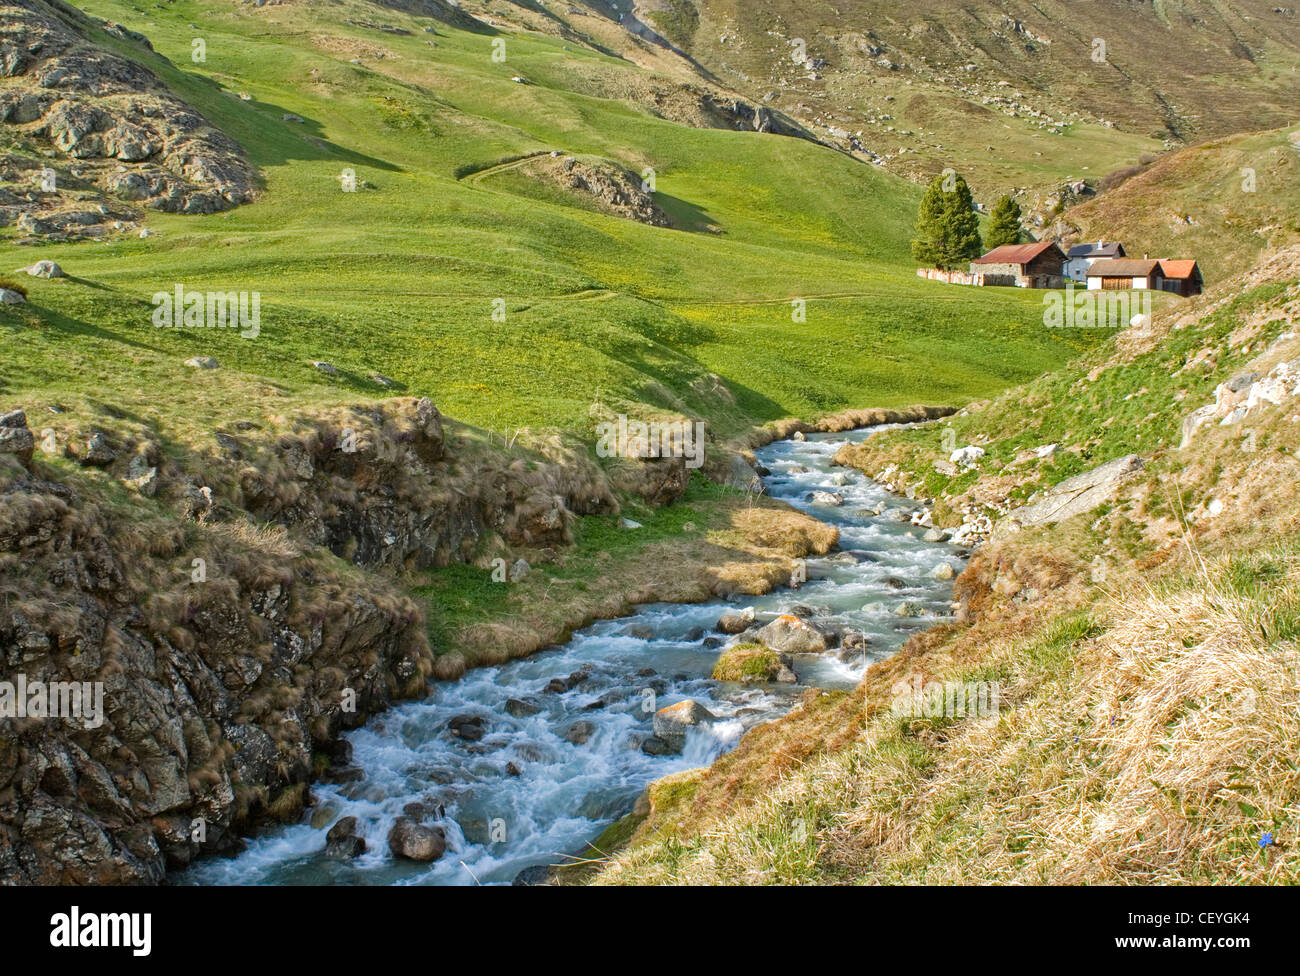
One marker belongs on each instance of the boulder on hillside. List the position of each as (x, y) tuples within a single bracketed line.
[(1079, 494), (45, 269), (15, 437)]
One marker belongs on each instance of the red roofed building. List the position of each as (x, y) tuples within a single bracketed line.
[(1180, 277), (1023, 265)]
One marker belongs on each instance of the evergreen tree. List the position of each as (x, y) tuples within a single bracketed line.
[(1004, 223), (947, 227)]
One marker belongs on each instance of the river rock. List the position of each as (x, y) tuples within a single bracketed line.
[(415, 842), (579, 732), (522, 707), (652, 745), (832, 498), (467, 727), (788, 634), (736, 621), (935, 535), (671, 722), (753, 662), (343, 841), (943, 572)]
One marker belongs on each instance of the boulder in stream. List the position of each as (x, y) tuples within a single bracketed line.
[(788, 634), (343, 842), (415, 842), (672, 721)]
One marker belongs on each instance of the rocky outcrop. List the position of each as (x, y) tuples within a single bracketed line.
[(230, 643), (212, 673), (104, 122), (607, 186), (1080, 494)]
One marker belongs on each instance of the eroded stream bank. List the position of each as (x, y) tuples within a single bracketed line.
[(523, 763)]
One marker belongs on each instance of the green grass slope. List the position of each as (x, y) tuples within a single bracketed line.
[(402, 276)]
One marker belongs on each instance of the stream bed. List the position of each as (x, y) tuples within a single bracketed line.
[(525, 794)]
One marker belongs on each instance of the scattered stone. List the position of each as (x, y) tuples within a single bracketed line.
[(753, 662), (652, 745), (327, 368), (98, 453), (45, 269), (10, 297), (966, 456), (202, 362), (290, 117), (627, 523), (519, 570)]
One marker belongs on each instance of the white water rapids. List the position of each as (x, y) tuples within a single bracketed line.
[(498, 823)]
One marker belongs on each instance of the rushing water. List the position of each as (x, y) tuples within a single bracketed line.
[(549, 796)]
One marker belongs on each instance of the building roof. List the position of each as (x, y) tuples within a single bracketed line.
[(1097, 249), (1015, 253), (1178, 268), (1122, 268)]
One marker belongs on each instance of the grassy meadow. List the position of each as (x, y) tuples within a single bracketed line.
[(401, 277)]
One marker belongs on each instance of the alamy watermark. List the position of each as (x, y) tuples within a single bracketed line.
[(656, 439), (81, 701), (1073, 308), (179, 308), (945, 699)]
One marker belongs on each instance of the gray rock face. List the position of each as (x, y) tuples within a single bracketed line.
[(1079, 494), (129, 136)]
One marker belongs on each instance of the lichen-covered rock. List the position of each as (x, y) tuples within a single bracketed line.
[(788, 634)]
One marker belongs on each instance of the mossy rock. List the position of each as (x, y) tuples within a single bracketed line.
[(749, 662)]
